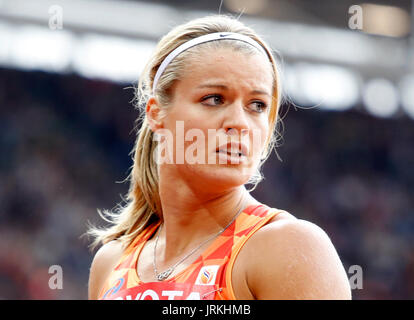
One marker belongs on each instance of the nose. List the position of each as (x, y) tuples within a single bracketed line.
[(236, 121)]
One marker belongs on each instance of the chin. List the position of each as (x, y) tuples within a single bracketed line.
[(219, 177)]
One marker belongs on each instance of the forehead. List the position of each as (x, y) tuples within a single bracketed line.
[(229, 67)]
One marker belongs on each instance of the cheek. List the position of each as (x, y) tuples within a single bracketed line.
[(259, 138)]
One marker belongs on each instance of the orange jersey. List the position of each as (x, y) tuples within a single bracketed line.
[(207, 278)]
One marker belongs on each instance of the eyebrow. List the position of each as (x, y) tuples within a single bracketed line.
[(221, 86)]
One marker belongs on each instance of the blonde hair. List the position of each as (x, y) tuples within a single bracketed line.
[(143, 205)]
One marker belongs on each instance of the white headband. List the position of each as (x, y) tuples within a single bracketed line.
[(202, 39)]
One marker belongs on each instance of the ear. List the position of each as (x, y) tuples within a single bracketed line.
[(153, 112)]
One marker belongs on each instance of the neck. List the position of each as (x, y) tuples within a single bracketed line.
[(190, 216)]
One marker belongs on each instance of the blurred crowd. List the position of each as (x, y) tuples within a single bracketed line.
[(65, 144)]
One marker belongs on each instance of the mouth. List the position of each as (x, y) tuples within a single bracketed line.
[(235, 149), (233, 154)]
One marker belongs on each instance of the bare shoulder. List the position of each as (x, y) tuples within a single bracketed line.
[(102, 264), (296, 260)]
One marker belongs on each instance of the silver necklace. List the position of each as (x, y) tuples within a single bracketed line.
[(166, 273)]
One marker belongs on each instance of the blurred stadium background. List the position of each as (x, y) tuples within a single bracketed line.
[(66, 128)]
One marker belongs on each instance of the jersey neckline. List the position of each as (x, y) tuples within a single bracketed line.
[(152, 229)]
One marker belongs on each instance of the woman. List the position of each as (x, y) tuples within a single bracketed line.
[(190, 229)]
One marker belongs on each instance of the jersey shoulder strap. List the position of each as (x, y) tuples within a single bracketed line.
[(246, 227)]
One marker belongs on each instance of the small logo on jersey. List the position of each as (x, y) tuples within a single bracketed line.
[(115, 288), (207, 275)]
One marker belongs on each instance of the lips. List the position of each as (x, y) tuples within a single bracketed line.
[(235, 149)]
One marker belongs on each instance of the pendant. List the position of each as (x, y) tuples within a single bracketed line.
[(164, 275)]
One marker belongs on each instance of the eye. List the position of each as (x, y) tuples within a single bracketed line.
[(215, 99), (259, 106)]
